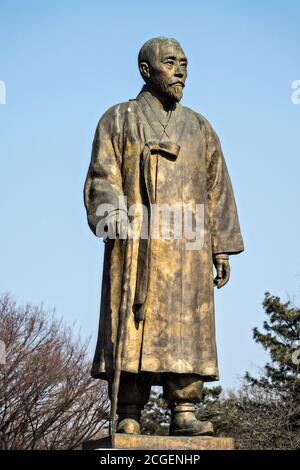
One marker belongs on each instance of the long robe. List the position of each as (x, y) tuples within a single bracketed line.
[(173, 283)]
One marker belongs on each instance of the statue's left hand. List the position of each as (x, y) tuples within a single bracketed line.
[(221, 263)]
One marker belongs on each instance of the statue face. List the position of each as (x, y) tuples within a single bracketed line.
[(168, 71)]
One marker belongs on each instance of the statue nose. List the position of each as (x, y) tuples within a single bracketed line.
[(179, 72)]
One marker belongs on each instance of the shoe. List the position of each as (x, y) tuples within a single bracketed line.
[(185, 423), (128, 426), (129, 417)]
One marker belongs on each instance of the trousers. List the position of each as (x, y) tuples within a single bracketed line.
[(135, 389)]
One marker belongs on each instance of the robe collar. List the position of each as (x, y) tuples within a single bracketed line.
[(155, 117)]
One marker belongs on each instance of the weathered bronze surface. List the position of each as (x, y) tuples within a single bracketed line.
[(153, 150)]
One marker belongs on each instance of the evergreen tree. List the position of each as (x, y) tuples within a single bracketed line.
[(281, 338), (156, 416)]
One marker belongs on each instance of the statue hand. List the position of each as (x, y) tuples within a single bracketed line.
[(221, 263), (117, 225)]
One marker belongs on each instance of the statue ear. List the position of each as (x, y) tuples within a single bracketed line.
[(144, 70)]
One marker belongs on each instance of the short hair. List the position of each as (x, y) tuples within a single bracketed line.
[(149, 49)]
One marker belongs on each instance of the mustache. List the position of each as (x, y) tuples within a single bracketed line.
[(178, 82)]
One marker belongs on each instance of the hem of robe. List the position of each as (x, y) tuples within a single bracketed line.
[(207, 374)]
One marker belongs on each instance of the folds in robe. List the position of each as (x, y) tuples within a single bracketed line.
[(170, 282)]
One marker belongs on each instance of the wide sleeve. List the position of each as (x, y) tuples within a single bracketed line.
[(224, 223), (103, 191)]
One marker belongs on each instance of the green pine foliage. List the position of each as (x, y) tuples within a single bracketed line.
[(281, 338), (281, 376), (156, 416)]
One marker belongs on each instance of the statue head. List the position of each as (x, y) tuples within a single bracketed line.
[(163, 66)]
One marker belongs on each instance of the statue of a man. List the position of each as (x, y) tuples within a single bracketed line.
[(153, 152)]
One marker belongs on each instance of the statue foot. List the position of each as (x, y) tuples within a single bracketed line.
[(185, 423), (197, 428), (128, 426)]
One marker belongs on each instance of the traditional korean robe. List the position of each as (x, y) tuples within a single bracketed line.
[(172, 284)]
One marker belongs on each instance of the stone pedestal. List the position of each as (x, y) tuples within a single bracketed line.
[(143, 442)]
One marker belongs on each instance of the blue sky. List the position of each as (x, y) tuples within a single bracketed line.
[(65, 62)]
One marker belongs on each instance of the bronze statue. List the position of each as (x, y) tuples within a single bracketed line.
[(153, 152)]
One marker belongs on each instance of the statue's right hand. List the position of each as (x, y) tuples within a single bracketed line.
[(116, 226)]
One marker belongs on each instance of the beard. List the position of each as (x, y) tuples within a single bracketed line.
[(173, 92)]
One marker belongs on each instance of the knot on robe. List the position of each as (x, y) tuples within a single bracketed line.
[(168, 149)]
